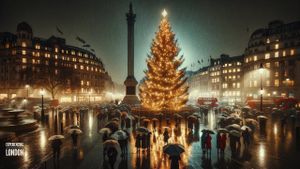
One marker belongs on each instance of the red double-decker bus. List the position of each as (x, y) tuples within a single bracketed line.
[(208, 101)]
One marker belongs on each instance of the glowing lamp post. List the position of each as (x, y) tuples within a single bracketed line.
[(27, 89), (42, 92), (261, 71)]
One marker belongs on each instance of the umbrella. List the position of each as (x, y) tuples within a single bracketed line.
[(246, 127), (192, 117), (73, 127), (154, 119), (115, 119), (120, 135), (113, 125), (249, 120), (77, 131), (142, 130), (56, 137), (233, 126), (173, 149), (208, 131), (262, 117), (105, 130), (111, 143), (146, 120), (178, 116), (166, 128), (222, 130), (124, 114), (235, 133), (160, 114)]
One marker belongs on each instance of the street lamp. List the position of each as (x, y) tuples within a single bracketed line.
[(42, 92), (261, 71), (27, 89), (90, 92)]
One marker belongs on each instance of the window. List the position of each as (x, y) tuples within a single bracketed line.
[(233, 85), (238, 85), (276, 64), (268, 65), (24, 44), (255, 58), (268, 83), (56, 50), (238, 69), (75, 66), (82, 82), (268, 40), (81, 67), (88, 83), (255, 83), (283, 53), (267, 56), (276, 54), (292, 52), (23, 52), (7, 45), (33, 61), (277, 46), (276, 82), (24, 60)]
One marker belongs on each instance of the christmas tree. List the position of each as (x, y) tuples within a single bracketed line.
[(164, 87)]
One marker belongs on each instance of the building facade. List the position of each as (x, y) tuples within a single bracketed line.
[(222, 79), (269, 67), (272, 62), (66, 72)]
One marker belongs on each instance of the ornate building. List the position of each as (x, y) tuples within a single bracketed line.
[(275, 49), (51, 64)]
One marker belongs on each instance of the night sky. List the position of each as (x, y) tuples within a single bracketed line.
[(202, 27)]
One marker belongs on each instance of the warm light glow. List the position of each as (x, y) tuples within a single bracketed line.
[(164, 13), (42, 92), (261, 91)]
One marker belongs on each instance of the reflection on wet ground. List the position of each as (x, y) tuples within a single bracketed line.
[(276, 148)]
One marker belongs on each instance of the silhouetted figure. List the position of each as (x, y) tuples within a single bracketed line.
[(246, 138), (74, 136), (138, 142), (144, 141), (166, 136), (232, 140), (218, 141), (208, 143), (175, 162), (223, 143), (203, 145), (56, 149), (112, 156), (148, 137)]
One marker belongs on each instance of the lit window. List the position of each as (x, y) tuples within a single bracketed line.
[(255, 83), (246, 60), (37, 54), (276, 64), (276, 46), (255, 58), (24, 60), (24, 44), (233, 85), (268, 65), (267, 56), (56, 71), (56, 49), (276, 82), (238, 69), (7, 45), (87, 68), (37, 47), (33, 61), (276, 55), (55, 56), (82, 82), (268, 83), (292, 52), (238, 85), (283, 53), (88, 83), (75, 66), (73, 52), (23, 52), (268, 40), (81, 67)]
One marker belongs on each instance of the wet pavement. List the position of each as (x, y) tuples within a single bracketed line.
[(276, 148)]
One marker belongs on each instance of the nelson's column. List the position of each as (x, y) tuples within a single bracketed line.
[(130, 82)]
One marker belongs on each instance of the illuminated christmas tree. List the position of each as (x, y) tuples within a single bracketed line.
[(164, 87)]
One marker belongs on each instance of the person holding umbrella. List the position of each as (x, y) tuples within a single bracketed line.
[(174, 151), (74, 136), (203, 146), (223, 143), (208, 143), (246, 138), (218, 138), (55, 144), (138, 142), (166, 136)]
